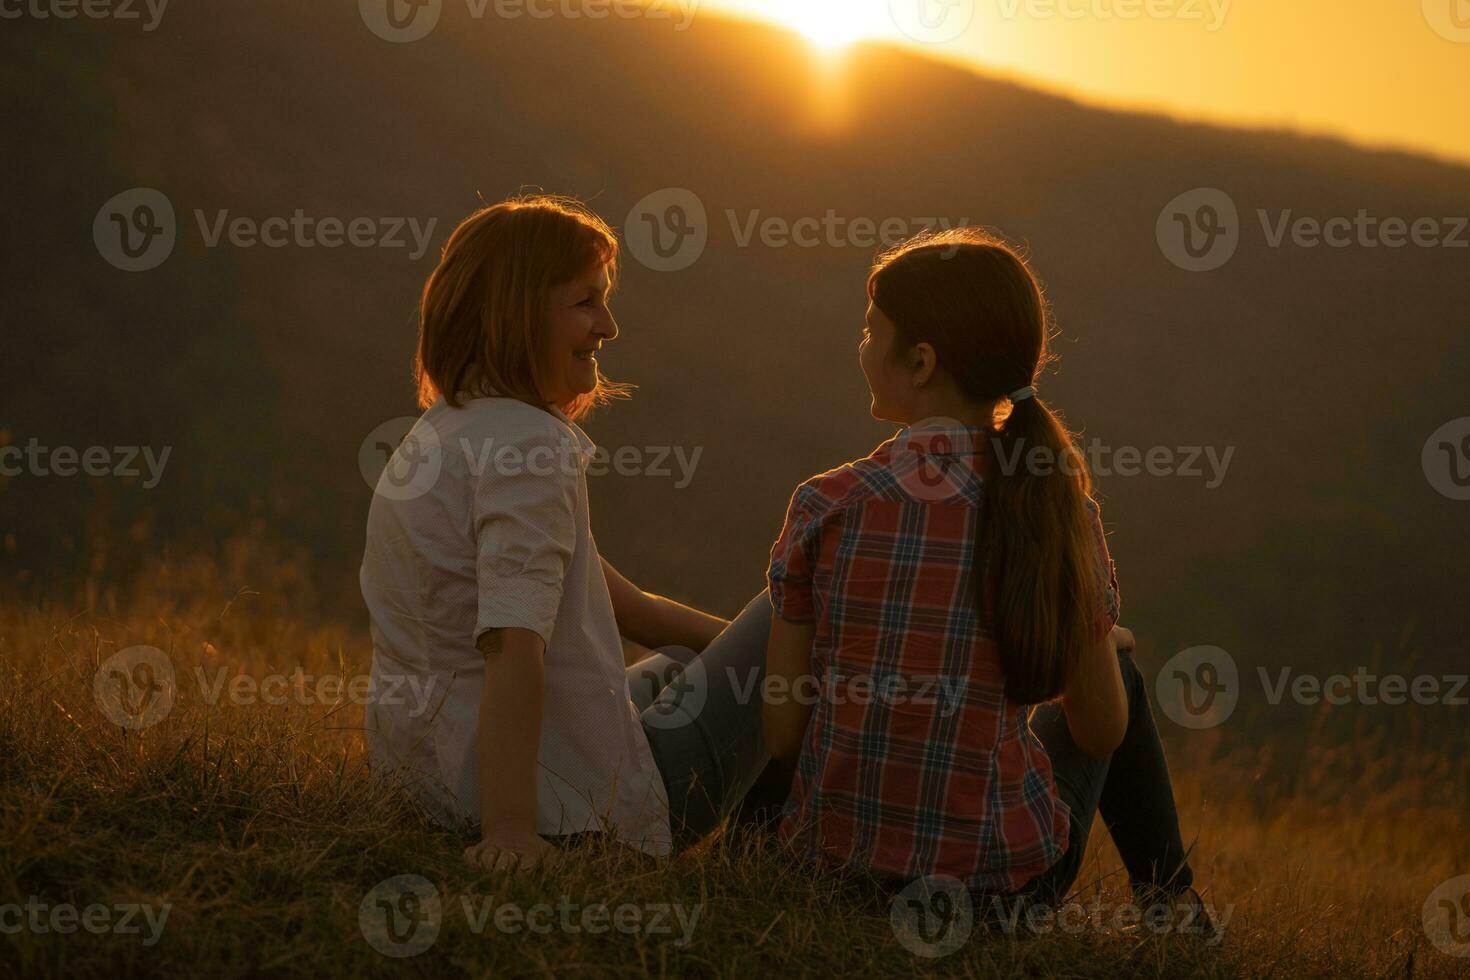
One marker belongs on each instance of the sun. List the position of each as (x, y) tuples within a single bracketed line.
[(825, 25), (829, 24)]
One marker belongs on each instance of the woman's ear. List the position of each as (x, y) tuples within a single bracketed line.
[(922, 362)]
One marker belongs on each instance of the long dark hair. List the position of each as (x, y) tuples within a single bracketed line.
[(976, 302)]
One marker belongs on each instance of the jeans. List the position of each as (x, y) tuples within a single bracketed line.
[(704, 730), (1130, 788), (702, 716)]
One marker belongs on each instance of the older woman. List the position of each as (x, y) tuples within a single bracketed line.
[(484, 583)]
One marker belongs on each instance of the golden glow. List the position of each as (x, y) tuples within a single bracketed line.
[(829, 24), (1385, 74)]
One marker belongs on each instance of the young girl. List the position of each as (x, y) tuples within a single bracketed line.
[(936, 590), (485, 588)]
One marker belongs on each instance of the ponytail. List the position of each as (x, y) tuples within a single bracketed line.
[(1035, 540)]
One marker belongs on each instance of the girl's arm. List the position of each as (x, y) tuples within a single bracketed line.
[(508, 742), (784, 717), (655, 621), (1095, 704)]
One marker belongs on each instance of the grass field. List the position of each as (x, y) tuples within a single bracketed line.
[(246, 838)]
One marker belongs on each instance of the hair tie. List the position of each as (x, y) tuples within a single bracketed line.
[(1021, 394)]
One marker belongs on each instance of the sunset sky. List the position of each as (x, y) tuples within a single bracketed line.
[(1378, 72)]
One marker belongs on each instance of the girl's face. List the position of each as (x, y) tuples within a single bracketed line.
[(889, 381), (578, 323)]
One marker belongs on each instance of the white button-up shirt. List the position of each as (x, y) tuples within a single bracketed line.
[(479, 522)]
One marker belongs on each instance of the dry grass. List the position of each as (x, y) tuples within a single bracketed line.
[(262, 830)]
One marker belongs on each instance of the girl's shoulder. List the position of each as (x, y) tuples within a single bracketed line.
[(844, 486)]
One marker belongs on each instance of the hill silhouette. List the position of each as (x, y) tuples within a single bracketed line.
[(1325, 369)]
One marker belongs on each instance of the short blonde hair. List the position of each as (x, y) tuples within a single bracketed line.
[(482, 314)]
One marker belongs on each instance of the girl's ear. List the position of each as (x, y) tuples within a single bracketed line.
[(922, 361)]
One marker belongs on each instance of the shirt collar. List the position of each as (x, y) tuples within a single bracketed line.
[(942, 436), (584, 442)]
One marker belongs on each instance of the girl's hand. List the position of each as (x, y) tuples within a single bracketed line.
[(1123, 639), (502, 850)]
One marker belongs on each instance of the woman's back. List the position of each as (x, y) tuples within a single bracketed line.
[(916, 762)]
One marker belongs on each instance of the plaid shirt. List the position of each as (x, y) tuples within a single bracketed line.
[(914, 762)]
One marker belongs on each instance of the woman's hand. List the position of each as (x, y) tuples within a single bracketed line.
[(784, 720), (1095, 702), (502, 850), (1123, 639), (654, 621), (506, 747)]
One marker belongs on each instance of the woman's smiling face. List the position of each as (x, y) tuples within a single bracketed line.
[(578, 323)]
